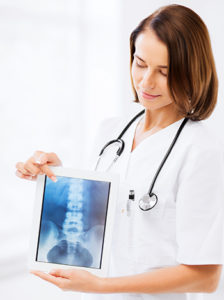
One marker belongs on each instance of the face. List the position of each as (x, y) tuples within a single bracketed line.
[(149, 71)]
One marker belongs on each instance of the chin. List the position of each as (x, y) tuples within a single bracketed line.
[(149, 106), (152, 105)]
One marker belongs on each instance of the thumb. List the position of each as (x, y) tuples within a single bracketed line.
[(51, 159), (46, 158)]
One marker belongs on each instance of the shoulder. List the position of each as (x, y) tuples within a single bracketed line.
[(201, 151), (201, 168), (200, 137), (110, 128)]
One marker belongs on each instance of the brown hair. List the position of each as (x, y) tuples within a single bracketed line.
[(192, 78)]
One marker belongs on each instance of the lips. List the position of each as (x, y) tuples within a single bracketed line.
[(148, 96)]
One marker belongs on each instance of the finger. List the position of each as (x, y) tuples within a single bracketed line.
[(20, 167), (60, 273), (46, 158), (46, 277), (59, 282), (46, 170), (38, 157), (53, 159), (30, 167), (28, 177)]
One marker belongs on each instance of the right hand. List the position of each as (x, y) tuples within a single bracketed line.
[(38, 164)]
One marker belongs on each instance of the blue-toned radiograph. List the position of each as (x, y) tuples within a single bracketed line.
[(73, 221)]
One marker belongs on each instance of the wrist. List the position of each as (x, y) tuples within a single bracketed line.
[(101, 285), (112, 285)]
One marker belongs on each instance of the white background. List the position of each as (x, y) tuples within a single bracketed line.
[(64, 67)]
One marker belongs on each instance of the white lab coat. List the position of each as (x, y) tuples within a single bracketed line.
[(186, 226)]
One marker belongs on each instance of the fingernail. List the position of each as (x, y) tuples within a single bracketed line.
[(54, 178), (39, 161)]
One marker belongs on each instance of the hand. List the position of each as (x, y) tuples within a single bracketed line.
[(72, 280), (38, 164)]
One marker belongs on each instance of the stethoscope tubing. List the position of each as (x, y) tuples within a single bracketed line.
[(118, 140), (129, 124), (150, 196), (167, 154)]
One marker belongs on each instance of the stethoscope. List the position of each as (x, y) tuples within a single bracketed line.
[(150, 199)]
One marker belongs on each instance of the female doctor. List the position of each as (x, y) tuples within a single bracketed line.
[(167, 241)]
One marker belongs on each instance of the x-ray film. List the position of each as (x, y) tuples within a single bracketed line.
[(73, 221)]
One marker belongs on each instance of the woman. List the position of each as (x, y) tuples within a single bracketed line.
[(175, 248)]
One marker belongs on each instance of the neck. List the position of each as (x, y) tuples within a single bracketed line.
[(160, 118)]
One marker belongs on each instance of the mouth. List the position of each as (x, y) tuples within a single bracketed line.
[(148, 96)]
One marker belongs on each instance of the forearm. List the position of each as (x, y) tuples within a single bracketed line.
[(177, 279)]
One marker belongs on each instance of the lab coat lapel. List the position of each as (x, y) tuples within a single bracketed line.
[(157, 142)]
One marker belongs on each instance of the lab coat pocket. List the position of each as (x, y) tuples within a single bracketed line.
[(121, 204), (149, 245), (123, 230)]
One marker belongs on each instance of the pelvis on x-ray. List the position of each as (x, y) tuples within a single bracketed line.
[(73, 222)]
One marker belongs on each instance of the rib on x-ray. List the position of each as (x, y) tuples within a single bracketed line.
[(73, 222)]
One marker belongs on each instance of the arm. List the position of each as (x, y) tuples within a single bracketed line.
[(177, 279)]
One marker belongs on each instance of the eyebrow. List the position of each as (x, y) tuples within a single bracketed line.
[(160, 66)]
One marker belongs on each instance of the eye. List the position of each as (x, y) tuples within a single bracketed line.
[(162, 73), (139, 65)]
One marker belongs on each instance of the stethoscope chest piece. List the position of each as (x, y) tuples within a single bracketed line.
[(148, 201)]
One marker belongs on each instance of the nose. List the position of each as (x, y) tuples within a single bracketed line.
[(148, 80)]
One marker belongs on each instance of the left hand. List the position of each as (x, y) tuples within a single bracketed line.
[(72, 280)]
